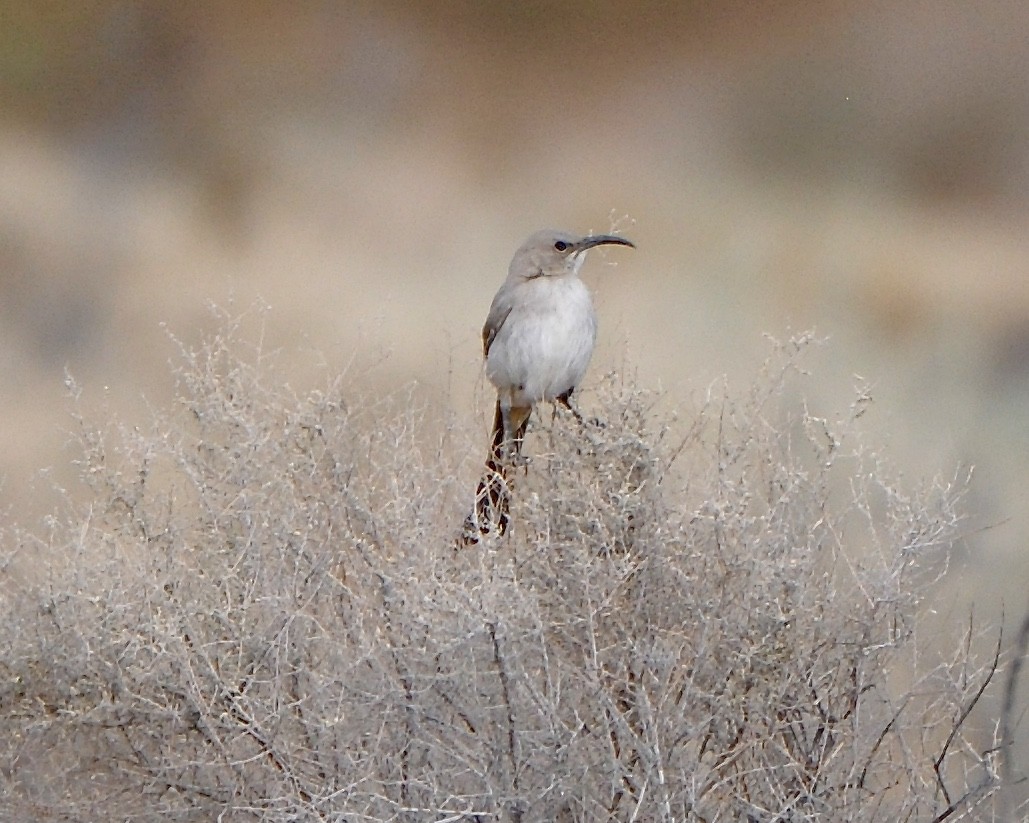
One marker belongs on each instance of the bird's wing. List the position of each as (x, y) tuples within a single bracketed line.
[(498, 313)]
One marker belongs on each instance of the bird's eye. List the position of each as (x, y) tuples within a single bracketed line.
[(560, 245)]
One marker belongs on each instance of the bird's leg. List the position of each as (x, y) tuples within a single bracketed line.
[(585, 425), (566, 401)]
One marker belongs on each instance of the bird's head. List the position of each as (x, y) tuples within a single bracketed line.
[(551, 253)]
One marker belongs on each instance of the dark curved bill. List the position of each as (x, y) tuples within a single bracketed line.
[(605, 239)]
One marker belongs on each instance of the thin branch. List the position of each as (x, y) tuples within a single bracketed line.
[(1007, 722), (953, 806)]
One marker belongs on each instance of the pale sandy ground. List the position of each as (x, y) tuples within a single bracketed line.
[(862, 171)]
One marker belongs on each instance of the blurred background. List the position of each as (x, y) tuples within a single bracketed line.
[(367, 169)]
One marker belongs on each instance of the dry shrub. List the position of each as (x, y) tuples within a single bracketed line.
[(260, 613)]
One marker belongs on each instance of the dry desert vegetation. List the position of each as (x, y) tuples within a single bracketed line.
[(709, 614)]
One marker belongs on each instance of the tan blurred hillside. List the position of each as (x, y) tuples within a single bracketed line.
[(367, 169)]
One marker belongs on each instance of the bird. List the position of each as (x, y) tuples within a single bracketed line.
[(537, 342)]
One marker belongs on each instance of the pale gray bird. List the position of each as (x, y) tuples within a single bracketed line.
[(537, 341)]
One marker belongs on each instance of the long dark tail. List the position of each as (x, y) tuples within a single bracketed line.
[(492, 498), (492, 495)]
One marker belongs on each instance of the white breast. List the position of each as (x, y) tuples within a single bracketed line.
[(545, 344)]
